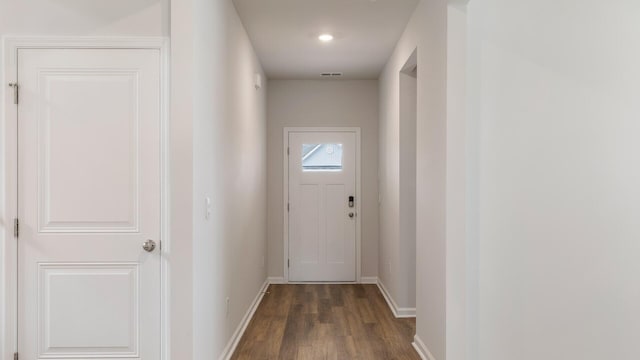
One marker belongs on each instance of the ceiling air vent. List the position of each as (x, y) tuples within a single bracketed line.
[(331, 74)]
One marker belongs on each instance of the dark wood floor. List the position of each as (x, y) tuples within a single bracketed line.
[(326, 322)]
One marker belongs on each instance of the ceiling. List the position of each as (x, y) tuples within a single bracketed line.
[(285, 34)]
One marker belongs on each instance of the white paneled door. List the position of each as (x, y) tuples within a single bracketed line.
[(88, 198), (322, 206)]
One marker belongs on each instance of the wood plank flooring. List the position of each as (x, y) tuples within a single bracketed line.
[(309, 322)]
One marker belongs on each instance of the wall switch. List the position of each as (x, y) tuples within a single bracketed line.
[(257, 81), (207, 207)]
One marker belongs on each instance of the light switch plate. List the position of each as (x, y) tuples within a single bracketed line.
[(207, 204)]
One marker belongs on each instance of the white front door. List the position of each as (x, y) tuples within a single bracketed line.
[(322, 219), (88, 197)]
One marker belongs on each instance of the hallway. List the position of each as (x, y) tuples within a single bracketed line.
[(326, 322), (179, 177)]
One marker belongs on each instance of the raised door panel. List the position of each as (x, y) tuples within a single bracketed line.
[(88, 310), (88, 151), (308, 226), (335, 214)]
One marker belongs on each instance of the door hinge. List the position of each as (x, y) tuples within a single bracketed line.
[(16, 227), (288, 151), (288, 207), (15, 92), (15, 356), (288, 263)]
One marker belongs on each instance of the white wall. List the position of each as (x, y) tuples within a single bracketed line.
[(427, 31), (180, 251), (461, 273), (404, 292), (229, 167), (81, 17), (323, 103), (555, 103), (71, 18)]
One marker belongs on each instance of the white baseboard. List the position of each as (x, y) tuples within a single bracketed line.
[(237, 335), (275, 280), (368, 280), (421, 349), (363, 280), (397, 311)]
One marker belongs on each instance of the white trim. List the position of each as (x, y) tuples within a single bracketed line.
[(85, 42), (8, 210), (285, 203), (276, 280), (322, 282), (165, 196), (422, 349), (280, 280), (8, 168), (397, 311), (285, 191), (369, 280), (242, 327)]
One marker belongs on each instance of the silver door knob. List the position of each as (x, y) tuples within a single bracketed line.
[(149, 245), (351, 215)]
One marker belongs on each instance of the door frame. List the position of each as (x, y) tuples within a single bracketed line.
[(285, 192), (9, 171)]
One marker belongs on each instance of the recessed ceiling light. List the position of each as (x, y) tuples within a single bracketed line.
[(325, 37)]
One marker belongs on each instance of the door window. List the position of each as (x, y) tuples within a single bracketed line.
[(322, 157)]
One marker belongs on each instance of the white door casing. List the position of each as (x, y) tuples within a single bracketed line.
[(89, 194), (322, 226)]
